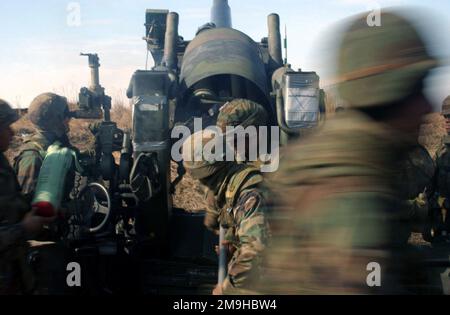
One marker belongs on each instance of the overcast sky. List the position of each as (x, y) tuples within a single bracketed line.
[(39, 49)]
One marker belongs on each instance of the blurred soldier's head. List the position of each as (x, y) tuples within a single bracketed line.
[(446, 113), (50, 113), (7, 117), (381, 69)]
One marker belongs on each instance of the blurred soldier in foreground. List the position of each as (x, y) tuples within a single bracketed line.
[(17, 222), (438, 229), (340, 226), (235, 200), (50, 114)]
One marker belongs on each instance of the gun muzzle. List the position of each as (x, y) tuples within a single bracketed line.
[(221, 14)]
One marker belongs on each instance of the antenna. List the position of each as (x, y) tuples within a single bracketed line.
[(285, 45)]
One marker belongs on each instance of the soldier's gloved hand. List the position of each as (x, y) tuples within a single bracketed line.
[(33, 223), (230, 249), (217, 290), (421, 200)]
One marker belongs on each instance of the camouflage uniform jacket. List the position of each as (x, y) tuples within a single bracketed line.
[(246, 215), (337, 210), (29, 161), (15, 275)]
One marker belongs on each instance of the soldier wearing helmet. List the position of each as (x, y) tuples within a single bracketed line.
[(17, 222), (336, 194), (237, 201), (50, 115)]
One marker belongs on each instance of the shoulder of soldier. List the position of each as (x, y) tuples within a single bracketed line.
[(28, 156), (36, 142), (252, 196), (33, 147), (248, 176), (251, 210)]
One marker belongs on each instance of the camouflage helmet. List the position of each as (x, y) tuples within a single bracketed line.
[(383, 64), (241, 112), (196, 159), (446, 106), (7, 115), (48, 112)]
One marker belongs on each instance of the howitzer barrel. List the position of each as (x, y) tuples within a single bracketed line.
[(95, 79), (221, 14), (94, 64), (171, 41), (275, 51)]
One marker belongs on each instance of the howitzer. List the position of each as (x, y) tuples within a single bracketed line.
[(121, 208), (127, 207)]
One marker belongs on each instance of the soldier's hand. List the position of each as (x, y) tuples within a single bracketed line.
[(217, 290), (33, 223), (229, 246), (421, 200)]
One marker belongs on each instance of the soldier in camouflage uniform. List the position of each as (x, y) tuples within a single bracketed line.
[(17, 222), (438, 228), (338, 205), (237, 201), (50, 114), (243, 113)]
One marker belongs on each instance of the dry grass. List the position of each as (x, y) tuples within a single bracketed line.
[(188, 194), (121, 113)]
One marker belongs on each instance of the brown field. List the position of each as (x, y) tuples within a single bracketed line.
[(189, 194)]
